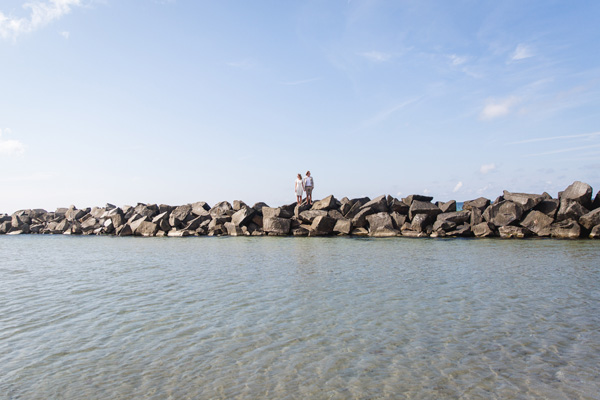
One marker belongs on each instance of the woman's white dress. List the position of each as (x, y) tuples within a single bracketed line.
[(299, 190)]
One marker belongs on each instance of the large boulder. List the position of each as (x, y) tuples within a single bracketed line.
[(381, 225), (89, 224), (233, 229), (480, 203), (398, 219), (398, 206), (259, 206), (147, 210), (444, 226), (408, 200), (483, 229), (570, 209), (300, 208), (538, 222), (423, 207), (162, 221), (238, 205), (200, 208), (446, 207), (343, 226), (567, 229), (595, 232), (458, 217), (279, 212), (548, 207), (526, 200), (360, 219), (378, 204), (591, 219), (596, 202), (509, 231), (579, 192), (326, 204), (74, 214), (242, 216), (276, 225), (461, 230), (180, 215), (476, 216), (322, 225), (309, 216), (221, 208), (146, 228), (420, 222), (503, 213)]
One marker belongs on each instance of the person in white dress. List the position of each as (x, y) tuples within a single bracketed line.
[(299, 189)]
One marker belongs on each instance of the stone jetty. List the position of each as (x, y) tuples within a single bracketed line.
[(574, 214)]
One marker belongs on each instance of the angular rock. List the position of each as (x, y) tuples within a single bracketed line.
[(179, 233), (5, 227), (335, 214), (596, 202), (526, 200), (458, 217), (196, 222), (480, 203), (146, 228), (398, 219), (326, 204), (73, 214), (483, 229), (381, 225), (221, 208), (243, 216), (398, 206), (180, 215), (579, 192), (233, 229), (360, 219), (476, 216), (420, 222), (300, 208), (461, 230), (135, 224), (89, 224), (300, 231), (409, 199), (343, 226), (567, 229), (345, 207), (591, 219), (309, 216), (146, 210), (259, 206), (414, 234), (97, 212), (238, 205), (360, 232), (276, 225), (200, 208), (509, 231), (322, 225), (503, 213), (378, 204), (595, 233), (351, 213), (538, 222), (62, 226), (548, 207), (279, 212), (124, 230), (449, 206), (570, 209), (162, 220), (423, 207), (442, 225)]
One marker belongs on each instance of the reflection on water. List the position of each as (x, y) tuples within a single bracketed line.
[(330, 318)]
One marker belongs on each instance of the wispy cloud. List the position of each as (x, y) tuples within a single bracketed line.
[(522, 52), (65, 34), (10, 147), (559, 151), (495, 108), (301, 82), (486, 168), (40, 14), (549, 138), (376, 56), (457, 187), (456, 60)]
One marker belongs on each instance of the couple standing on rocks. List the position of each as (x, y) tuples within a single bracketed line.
[(307, 184)]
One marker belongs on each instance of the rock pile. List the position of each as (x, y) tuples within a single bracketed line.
[(513, 215)]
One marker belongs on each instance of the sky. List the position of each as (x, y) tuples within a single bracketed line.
[(173, 101)]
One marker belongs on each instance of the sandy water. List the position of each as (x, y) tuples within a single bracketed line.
[(297, 318)]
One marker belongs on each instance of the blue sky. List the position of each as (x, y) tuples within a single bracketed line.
[(181, 101)]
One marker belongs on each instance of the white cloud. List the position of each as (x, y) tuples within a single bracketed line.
[(522, 52), (10, 147), (426, 191), (457, 60), (40, 14), (457, 187), (376, 56), (495, 108), (65, 34), (485, 168)]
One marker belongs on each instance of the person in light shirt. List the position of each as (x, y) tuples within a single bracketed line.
[(309, 185), (299, 189)]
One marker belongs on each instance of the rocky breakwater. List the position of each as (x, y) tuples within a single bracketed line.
[(574, 214)]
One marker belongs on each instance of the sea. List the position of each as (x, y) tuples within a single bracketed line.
[(298, 318)]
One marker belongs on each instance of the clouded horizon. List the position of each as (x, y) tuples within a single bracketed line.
[(175, 102)]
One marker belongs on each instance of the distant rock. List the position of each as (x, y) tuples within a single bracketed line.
[(525, 200), (480, 203), (449, 206), (503, 213), (423, 207)]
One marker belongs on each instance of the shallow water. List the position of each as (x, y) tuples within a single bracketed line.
[(296, 318)]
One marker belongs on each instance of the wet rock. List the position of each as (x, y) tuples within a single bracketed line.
[(595, 233), (322, 225), (480, 203), (326, 204), (146, 228), (243, 216), (483, 229), (449, 206), (570, 209), (509, 231), (538, 222), (343, 226), (526, 200), (300, 231), (360, 232), (503, 213), (276, 225), (567, 229), (381, 225), (423, 207), (548, 207), (591, 219), (579, 192)]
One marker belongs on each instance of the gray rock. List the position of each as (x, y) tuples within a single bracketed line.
[(345, 207), (570, 209), (480, 203), (458, 217), (414, 234), (360, 219), (136, 224), (360, 232), (443, 225), (259, 206), (196, 222), (146, 228), (343, 226), (398, 219), (381, 225), (398, 206), (146, 210), (5, 227), (233, 229), (124, 230), (300, 208), (526, 200), (322, 225), (97, 212), (309, 216), (409, 199), (279, 212), (335, 214), (503, 213), (62, 226), (180, 215), (483, 229), (276, 225), (567, 229), (326, 204), (351, 213), (89, 224), (200, 208), (449, 206), (162, 221), (476, 216), (420, 222), (595, 233), (179, 233), (238, 205), (461, 230), (591, 219), (73, 214), (423, 207), (300, 231), (221, 208), (509, 231), (360, 201), (579, 192), (378, 204), (548, 207), (117, 220), (538, 222), (243, 216), (596, 202)]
